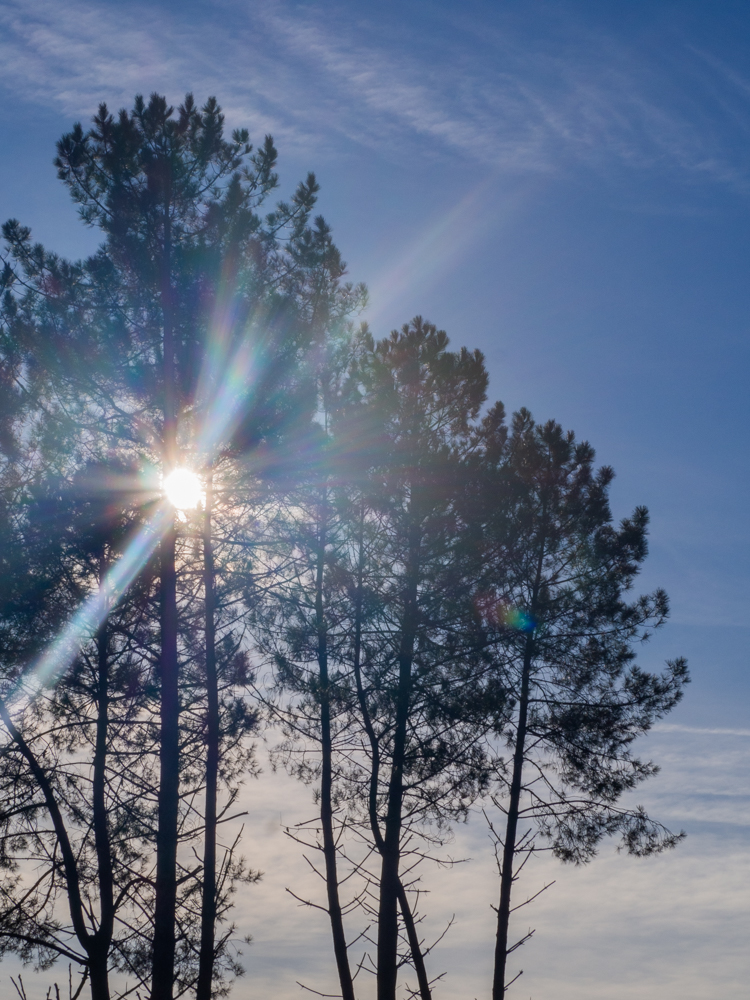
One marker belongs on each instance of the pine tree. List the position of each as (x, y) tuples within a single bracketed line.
[(294, 609), (66, 789), (132, 347), (420, 667), (562, 633), (375, 635)]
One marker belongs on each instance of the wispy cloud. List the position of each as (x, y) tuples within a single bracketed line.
[(314, 76), (596, 927), (77, 54), (667, 727)]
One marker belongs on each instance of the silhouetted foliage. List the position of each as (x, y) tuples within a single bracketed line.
[(134, 352), (562, 633), (441, 603)]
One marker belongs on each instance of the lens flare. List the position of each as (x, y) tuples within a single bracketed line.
[(517, 619), (500, 612), (183, 489), (86, 621), (447, 238), (228, 383)]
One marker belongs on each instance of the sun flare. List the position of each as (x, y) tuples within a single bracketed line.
[(183, 489)]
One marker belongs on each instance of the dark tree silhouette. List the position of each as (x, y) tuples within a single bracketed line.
[(128, 351), (562, 634), (444, 605), (69, 807), (376, 630)]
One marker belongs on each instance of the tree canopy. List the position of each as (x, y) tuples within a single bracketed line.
[(425, 610)]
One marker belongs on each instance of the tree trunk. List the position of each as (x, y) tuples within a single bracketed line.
[(208, 901), (511, 826), (516, 784), (414, 945), (96, 945), (169, 781), (387, 952), (416, 951), (98, 973), (68, 857), (162, 973), (326, 777), (102, 939)]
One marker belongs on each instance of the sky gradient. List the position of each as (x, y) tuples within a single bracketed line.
[(567, 187)]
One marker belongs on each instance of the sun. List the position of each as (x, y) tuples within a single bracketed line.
[(183, 489)]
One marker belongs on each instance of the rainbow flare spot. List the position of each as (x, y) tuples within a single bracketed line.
[(517, 619)]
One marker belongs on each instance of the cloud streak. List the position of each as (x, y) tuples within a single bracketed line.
[(515, 104), (597, 927)]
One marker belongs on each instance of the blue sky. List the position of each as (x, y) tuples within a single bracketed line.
[(566, 186)]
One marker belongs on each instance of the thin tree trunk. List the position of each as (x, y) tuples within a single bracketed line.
[(516, 784), (407, 916), (69, 863), (511, 826), (387, 951), (414, 946), (169, 780), (96, 945), (102, 939), (208, 901), (326, 777), (162, 973)]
